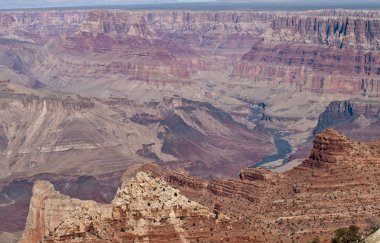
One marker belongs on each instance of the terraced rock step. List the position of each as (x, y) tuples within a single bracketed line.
[(338, 185)]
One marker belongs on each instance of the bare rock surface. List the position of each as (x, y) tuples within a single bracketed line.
[(336, 186), (144, 209), (374, 238)]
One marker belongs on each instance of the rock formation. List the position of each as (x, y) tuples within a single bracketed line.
[(375, 237), (338, 185), (144, 209), (158, 47), (15, 196), (318, 51), (359, 119), (70, 136), (325, 52)]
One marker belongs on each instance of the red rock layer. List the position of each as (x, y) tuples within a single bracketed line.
[(336, 186), (317, 53), (161, 47)]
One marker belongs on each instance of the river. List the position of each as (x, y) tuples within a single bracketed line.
[(283, 147), (283, 151)]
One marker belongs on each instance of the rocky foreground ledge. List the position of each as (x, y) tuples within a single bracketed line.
[(144, 208), (338, 185)]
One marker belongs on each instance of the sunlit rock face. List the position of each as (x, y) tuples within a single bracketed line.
[(144, 209)]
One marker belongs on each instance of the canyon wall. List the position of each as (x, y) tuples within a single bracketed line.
[(162, 47), (318, 51), (335, 186), (357, 118), (324, 53)]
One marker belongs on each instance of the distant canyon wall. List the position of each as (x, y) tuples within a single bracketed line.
[(62, 48), (334, 52), (359, 119), (319, 51)]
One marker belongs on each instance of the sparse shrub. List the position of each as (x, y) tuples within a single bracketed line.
[(347, 235)]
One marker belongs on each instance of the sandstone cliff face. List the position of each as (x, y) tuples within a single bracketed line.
[(145, 209), (48, 207), (15, 195), (356, 118), (319, 52)]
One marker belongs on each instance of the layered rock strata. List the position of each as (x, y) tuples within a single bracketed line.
[(324, 53), (336, 186), (144, 209), (359, 119)]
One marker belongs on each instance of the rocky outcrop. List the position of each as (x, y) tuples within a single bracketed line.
[(144, 208), (375, 237), (15, 196), (359, 119), (257, 175), (48, 207), (336, 186), (328, 148)]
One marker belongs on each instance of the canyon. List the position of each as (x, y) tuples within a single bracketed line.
[(204, 95)]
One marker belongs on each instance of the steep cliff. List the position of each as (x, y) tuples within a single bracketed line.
[(16, 195), (94, 46), (144, 209), (359, 119), (320, 52), (48, 207)]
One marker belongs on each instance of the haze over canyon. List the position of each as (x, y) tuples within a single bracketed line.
[(217, 124)]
